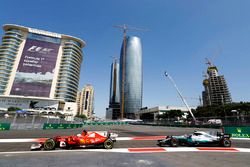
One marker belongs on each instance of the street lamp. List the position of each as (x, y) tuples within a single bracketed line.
[(183, 100)]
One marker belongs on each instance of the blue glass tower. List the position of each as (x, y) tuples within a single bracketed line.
[(131, 76), (113, 112), (114, 83)]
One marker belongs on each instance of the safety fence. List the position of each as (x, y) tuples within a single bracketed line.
[(70, 126), (105, 123), (177, 125), (45, 126), (61, 126)]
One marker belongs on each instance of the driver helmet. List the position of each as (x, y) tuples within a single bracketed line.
[(84, 132)]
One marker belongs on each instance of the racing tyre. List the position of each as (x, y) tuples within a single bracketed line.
[(49, 144), (226, 143), (174, 142), (108, 144), (159, 144)]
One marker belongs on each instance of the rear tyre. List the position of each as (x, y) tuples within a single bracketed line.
[(174, 142), (49, 144), (226, 143), (108, 144)]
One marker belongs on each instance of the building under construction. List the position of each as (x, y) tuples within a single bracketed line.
[(216, 90)]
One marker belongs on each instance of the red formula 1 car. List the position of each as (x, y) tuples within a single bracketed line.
[(102, 138)]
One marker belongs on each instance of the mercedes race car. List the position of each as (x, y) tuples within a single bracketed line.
[(198, 138), (99, 138)]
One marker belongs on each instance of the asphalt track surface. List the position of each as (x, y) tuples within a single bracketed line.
[(82, 158)]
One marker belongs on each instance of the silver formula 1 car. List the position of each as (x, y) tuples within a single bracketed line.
[(198, 138)]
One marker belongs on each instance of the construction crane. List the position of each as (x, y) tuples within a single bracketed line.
[(209, 61), (206, 81), (125, 28), (194, 98), (182, 98)]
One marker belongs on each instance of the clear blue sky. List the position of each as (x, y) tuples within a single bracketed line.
[(181, 34)]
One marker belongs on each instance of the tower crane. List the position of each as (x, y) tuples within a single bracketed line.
[(125, 28), (208, 61)]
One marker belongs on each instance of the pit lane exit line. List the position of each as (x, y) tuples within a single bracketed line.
[(142, 150)]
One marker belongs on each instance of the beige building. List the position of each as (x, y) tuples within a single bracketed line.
[(85, 101), (37, 64), (216, 91)]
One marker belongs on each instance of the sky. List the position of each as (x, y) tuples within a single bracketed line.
[(181, 34)]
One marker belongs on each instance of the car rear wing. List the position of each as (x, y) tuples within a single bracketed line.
[(221, 134)]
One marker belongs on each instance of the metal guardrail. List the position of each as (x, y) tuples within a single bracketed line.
[(20, 121), (206, 121)]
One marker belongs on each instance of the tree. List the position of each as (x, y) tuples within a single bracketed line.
[(14, 108), (221, 111)]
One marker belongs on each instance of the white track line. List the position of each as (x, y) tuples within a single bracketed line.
[(240, 139), (141, 150), (28, 140), (17, 140)]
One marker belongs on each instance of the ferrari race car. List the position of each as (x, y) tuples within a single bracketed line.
[(198, 138), (98, 138)]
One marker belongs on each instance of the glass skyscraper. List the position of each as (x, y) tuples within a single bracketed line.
[(114, 83), (113, 111), (131, 76)]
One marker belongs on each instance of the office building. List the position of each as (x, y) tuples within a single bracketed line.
[(39, 66), (86, 101), (131, 76), (113, 112)]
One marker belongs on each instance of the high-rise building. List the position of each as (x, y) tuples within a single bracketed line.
[(131, 76), (86, 101), (113, 112), (79, 103), (39, 65), (216, 90)]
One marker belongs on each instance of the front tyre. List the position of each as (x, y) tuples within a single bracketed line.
[(226, 143), (108, 144), (160, 144), (49, 144), (174, 142)]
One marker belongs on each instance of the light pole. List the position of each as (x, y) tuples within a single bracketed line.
[(183, 100)]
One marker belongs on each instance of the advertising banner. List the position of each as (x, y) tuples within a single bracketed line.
[(238, 131), (36, 67), (4, 126), (61, 126)]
